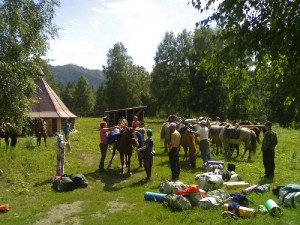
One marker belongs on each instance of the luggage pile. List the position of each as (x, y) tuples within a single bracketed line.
[(69, 182), (211, 192)]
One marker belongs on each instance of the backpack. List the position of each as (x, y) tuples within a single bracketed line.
[(63, 183), (289, 195), (241, 199), (113, 136), (79, 180)]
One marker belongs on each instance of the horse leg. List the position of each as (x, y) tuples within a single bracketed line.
[(166, 145), (237, 147), (220, 146), (227, 150), (45, 139), (185, 156), (192, 157), (128, 164), (122, 156), (38, 140)]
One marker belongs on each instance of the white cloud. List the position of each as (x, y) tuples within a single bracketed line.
[(139, 24), (79, 52)]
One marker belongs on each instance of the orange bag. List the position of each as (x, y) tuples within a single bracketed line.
[(4, 207), (190, 189)]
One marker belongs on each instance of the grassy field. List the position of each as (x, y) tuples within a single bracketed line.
[(27, 171)]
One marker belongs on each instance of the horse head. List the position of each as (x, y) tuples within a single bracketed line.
[(132, 137)]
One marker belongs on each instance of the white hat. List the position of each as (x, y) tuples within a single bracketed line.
[(172, 124), (60, 137), (202, 122)]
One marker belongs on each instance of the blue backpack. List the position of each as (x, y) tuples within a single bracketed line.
[(113, 136)]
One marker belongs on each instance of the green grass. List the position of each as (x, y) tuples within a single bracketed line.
[(114, 199)]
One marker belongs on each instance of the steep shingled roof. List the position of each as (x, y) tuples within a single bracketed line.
[(50, 105)]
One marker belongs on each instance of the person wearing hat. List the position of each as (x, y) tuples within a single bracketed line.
[(60, 169), (174, 147), (148, 153), (135, 122), (268, 149), (204, 143)]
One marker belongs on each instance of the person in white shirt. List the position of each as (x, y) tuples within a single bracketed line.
[(204, 143)]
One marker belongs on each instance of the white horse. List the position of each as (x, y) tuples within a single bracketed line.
[(214, 133), (236, 135)]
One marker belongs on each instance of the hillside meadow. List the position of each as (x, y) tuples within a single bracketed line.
[(27, 172)]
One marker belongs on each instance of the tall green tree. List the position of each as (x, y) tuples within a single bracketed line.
[(170, 76), (209, 93), (125, 82), (68, 95), (26, 26), (264, 32), (84, 96)]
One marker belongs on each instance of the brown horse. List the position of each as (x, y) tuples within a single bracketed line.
[(188, 142), (125, 144), (165, 135)]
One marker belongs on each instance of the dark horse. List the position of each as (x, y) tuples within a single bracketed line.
[(234, 135), (125, 144), (9, 131), (41, 131)]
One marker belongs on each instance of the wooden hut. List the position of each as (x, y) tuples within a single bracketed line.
[(50, 108), (128, 113)]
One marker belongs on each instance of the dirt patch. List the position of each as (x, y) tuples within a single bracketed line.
[(116, 206), (59, 213), (112, 207)]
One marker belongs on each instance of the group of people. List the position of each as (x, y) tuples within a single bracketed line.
[(145, 150), (268, 147)]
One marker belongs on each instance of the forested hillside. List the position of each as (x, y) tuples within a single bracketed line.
[(71, 73)]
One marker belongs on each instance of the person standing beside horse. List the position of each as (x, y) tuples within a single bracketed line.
[(148, 153), (204, 143), (104, 130), (174, 147), (268, 149)]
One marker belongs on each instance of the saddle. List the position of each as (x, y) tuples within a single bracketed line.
[(232, 132)]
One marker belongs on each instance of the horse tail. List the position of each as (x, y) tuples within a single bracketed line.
[(253, 143)]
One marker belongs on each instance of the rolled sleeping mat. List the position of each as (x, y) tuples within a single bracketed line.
[(215, 163), (153, 196)]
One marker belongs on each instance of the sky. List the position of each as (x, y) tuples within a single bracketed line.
[(89, 28)]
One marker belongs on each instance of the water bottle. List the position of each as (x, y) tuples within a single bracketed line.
[(263, 188), (273, 208), (249, 189)]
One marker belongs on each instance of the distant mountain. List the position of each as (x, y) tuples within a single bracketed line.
[(71, 73)]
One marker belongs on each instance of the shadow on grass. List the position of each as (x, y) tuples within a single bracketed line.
[(38, 184), (109, 178), (265, 181)]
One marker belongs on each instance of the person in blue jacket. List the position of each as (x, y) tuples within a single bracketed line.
[(148, 153)]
